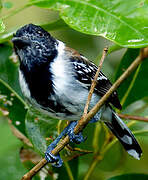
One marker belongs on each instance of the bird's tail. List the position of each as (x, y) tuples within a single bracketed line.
[(124, 135)]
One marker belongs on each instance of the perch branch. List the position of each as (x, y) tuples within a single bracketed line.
[(84, 121)]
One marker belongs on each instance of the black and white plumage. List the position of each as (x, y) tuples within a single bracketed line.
[(56, 79)]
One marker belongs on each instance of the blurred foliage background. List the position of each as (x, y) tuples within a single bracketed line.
[(17, 157)]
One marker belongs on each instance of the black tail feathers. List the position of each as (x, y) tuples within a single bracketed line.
[(125, 136)]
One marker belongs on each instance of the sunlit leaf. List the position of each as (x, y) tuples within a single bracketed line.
[(2, 26), (111, 19)]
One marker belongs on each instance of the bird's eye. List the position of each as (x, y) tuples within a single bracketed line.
[(40, 34)]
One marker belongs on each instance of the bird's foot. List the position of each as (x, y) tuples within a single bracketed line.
[(75, 138), (55, 160)]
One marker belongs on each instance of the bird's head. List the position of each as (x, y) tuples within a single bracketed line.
[(34, 45)]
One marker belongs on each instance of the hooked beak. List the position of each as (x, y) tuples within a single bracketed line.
[(20, 42)]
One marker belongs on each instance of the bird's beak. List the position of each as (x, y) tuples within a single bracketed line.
[(20, 41)]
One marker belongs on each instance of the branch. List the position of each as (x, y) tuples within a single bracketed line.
[(132, 117), (84, 120), (94, 82)]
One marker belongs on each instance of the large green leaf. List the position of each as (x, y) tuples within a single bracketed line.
[(135, 86), (123, 22), (10, 99), (130, 177)]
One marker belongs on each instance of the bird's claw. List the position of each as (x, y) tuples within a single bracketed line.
[(75, 138), (55, 160)]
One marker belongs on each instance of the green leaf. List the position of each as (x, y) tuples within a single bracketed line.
[(134, 87), (2, 26), (10, 166), (69, 170), (74, 167), (39, 126), (109, 164), (127, 27), (130, 177), (9, 89)]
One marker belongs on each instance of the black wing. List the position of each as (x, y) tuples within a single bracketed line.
[(85, 72)]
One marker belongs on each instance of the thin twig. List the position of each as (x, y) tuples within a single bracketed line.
[(84, 121), (132, 117), (94, 82)]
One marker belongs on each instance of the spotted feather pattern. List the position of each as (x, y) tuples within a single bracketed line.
[(85, 72)]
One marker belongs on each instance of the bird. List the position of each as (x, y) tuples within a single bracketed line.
[(56, 80)]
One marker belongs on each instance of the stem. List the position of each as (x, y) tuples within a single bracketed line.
[(131, 86), (15, 11), (96, 137), (140, 131), (109, 146), (132, 117), (94, 82), (69, 171), (91, 168), (131, 123), (59, 127), (84, 121)]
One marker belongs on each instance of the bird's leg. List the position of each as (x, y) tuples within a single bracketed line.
[(69, 130), (55, 160)]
